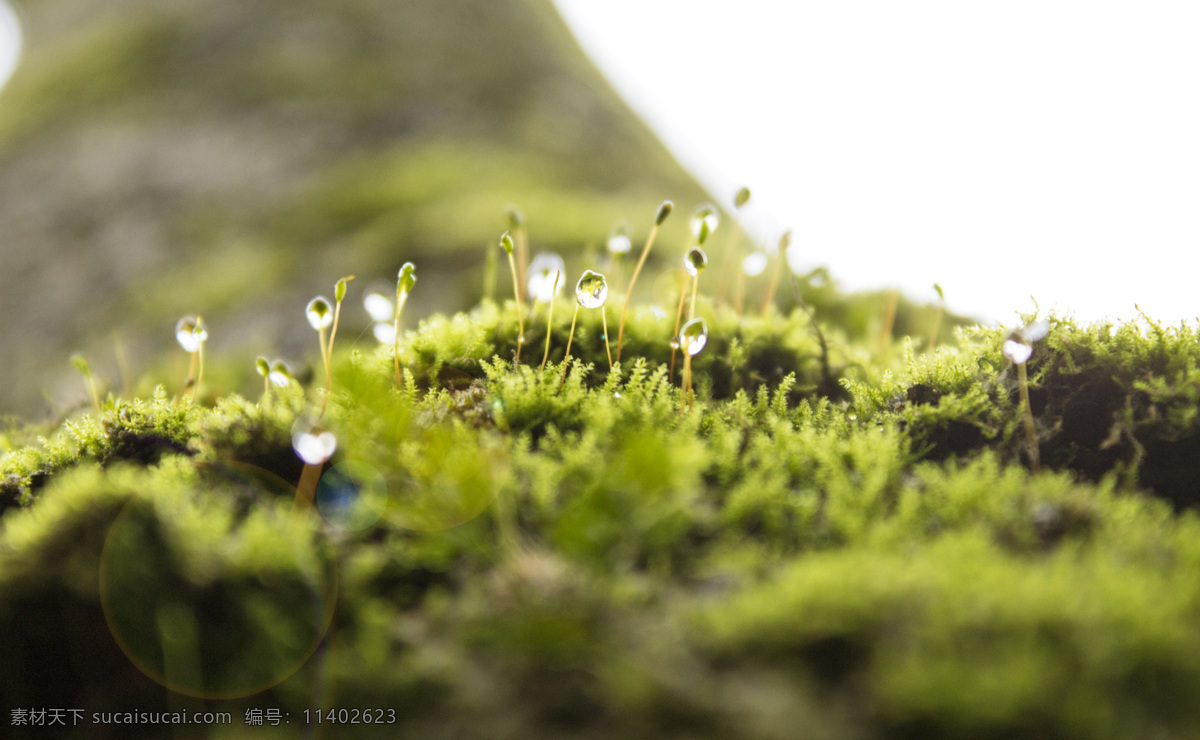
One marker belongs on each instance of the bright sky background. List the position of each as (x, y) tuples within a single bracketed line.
[(10, 41), (1005, 150)]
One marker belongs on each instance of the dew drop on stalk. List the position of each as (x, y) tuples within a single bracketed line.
[(619, 241), (754, 264), (695, 261), (1017, 351), (190, 332), (319, 313), (693, 336), (313, 444), (705, 213), (378, 306), (592, 289), (539, 278), (262, 366)]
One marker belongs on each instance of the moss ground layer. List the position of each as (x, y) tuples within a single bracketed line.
[(853, 553)]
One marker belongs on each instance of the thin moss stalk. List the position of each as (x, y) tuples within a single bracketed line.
[(81, 364), (406, 281), (733, 254), (191, 334), (664, 210), (550, 319), (567, 356), (1031, 440), (506, 243), (781, 261), (937, 318)]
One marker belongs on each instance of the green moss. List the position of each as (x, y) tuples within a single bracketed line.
[(600, 560)]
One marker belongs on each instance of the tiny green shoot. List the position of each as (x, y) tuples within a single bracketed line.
[(550, 318), (191, 334), (937, 318), (81, 364), (733, 254), (405, 282), (516, 226), (263, 367), (781, 260), (506, 243), (664, 210)]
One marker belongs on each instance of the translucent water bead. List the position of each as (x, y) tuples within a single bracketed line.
[(190, 332), (592, 290), (693, 336)]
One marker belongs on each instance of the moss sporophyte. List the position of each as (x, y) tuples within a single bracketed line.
[(692, 339), (1018, 348), (506, 243), (664, 210), (590, 292), (191, 334), (405, 282)]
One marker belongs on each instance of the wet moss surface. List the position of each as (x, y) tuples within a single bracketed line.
[(602, 561)]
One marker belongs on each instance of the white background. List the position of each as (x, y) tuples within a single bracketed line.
[(1005, 150)]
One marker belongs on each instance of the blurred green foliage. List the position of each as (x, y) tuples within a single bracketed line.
[(601, 561)]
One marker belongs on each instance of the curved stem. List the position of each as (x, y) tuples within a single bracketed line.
[(604, 323), (199, 373), (675, 335), (1035, 457), (550, 318), (401, 298), (687, 378), (633, 281), (307, 490), (567, 356), (512, 266)]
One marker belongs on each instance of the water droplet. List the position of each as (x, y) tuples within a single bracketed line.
[(616, 394), (384, 333), (408, 279), (695, 261), (592, 290), (674, 343), (754, 264), (693, 336), (262, 366), (540, 276), (1035, 331), (319, 313), (280, 376), (190, 332), (619, 238), (312, 444), (378, 306), (1017, 351), (705, 213)]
